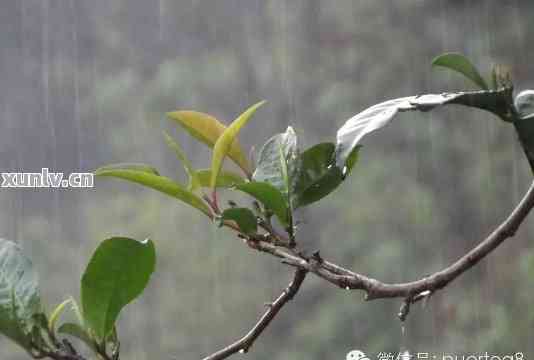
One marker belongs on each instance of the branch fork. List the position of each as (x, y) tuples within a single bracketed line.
[(410, 292)]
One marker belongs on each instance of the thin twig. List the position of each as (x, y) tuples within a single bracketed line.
[(244, 344)]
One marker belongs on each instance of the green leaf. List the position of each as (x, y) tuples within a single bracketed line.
[(156, 182), (19, 294), (224, 143), (207, 130), (277, 162), (117, 273), (270, 197), (129, 166), (180, 154), (459, 63), (226, 179), (244, 218), (77, 331), (318, 175)]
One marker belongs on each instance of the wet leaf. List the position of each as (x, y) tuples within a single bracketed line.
[(207, 130), (379, 115), (243, 217), (459, 63), (270, 197), (277, 162), (117, 273), (524, 103), (318, 175), (365, 122), (156, 182), (224, 143), (20, 302)]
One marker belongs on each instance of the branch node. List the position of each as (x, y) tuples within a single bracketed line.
[(405, 308), (317, 257)]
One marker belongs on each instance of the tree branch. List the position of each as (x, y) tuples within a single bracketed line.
[(414, 290), (244, 344)]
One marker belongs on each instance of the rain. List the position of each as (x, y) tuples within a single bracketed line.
[(88, 83)]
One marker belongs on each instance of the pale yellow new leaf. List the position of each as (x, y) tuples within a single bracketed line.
[(208, 129), (224, 143)]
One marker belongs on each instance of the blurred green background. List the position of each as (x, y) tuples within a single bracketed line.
[(86, 83)]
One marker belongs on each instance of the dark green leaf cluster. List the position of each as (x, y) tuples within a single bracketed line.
[(283, 179)]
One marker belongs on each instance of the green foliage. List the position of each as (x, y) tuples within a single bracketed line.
[(194, 183), (207, 130), (459, 63), (154, 181), (318, 174), (223, 145), (20, 301), (277, 162), (270, 197), (117, 273), (225, 179), (243, 217)]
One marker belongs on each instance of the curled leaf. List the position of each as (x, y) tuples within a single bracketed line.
[(379, 115)]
